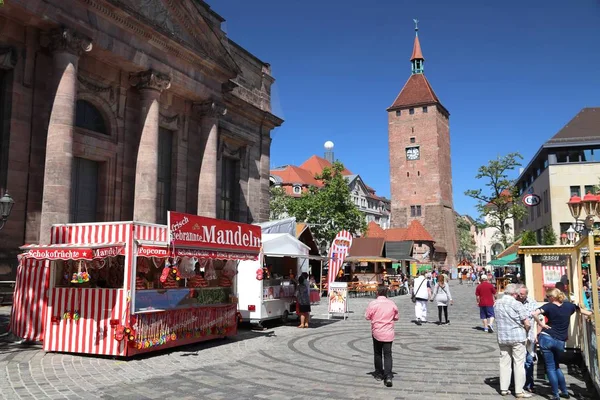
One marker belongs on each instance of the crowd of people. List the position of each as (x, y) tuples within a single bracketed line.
[(521, 325)]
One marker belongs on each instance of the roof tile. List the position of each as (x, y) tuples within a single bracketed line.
[(584, 126), (316, 164), (366, 247), (417, 232), (374, 230), (416, 91)]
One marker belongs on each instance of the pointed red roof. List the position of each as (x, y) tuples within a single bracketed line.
[(374, 230), (417, 232), (416, 92), (293, 174), (417, 54), (316, 164), (395, 235)]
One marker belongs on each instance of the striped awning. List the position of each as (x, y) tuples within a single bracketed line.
[(72, 251), (161, 249)]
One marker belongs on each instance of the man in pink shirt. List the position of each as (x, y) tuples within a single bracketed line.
[(383, 313)]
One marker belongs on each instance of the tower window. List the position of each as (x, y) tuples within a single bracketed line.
[(415, 211), (297, 189), (418, 173), (413, 139), (408, 174), (411, 111), (398, 113), (425, 109)]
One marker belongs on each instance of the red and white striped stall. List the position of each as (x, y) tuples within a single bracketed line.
[(96, 288)]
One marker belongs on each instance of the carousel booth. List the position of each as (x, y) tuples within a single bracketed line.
[(266, 288), (126, 288)]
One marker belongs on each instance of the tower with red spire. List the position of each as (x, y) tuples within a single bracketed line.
[(420, 162)]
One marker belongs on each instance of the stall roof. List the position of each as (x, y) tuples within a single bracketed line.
[(506, 260), (366, 247), (283, 245), (72, 251)]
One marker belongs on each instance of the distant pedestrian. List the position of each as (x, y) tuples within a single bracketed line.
[(443, 297), (554, 335), (421, 293), (383, 313), (303, 298), (485, 294), (513, 325)]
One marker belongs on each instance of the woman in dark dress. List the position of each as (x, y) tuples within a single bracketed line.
[(553, 336), (303, 298)]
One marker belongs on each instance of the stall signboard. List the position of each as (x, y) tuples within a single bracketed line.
[(553, 267), (71, 253), (195, 232), (338, 298), (337, 254)]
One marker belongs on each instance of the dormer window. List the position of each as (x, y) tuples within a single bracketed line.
[(297, 189)]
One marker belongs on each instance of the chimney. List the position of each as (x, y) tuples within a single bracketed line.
[(329, 151)]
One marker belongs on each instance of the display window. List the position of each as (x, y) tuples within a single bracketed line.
[(107, 273), (167, 283)]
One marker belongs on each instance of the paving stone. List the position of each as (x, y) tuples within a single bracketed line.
[(330, 360)]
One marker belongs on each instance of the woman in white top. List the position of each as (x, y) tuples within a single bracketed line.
[(441, 294)]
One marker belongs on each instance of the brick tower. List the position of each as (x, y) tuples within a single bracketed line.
[(420, 163)]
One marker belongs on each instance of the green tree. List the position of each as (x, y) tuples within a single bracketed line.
[(496, 204), (466, 244), (549, 236), (528, 238), (328, 209), (278, 203)]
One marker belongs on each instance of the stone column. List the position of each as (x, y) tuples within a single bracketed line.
[(66, 46), (208, 192), (150, 84)]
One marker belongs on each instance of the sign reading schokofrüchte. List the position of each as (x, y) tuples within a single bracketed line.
[(189, 231)]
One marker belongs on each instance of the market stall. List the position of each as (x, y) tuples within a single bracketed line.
[(266, 288), (125, 288)]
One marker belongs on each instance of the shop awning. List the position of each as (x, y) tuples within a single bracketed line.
[(161, 249), (506, 260), (72, 251), (283, 245), (370, 259), (399, 250)]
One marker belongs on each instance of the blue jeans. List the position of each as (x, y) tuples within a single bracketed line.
[(528, 371), (551, 349)]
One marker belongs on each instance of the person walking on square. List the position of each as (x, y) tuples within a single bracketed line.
[(553, 336), (383, 313), (512, 321), (530, 305), (421, 293), (485, 294), (442, 295)]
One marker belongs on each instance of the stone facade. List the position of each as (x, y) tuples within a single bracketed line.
[(420, 162), (148, 68)]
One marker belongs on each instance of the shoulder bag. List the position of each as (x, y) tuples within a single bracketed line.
[(413, 298)]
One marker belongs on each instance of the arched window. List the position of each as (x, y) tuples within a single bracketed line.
[(88, 117)]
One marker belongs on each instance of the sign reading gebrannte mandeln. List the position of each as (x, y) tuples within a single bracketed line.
[(193, 231)]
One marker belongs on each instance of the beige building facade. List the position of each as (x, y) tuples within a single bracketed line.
[(566, 165)]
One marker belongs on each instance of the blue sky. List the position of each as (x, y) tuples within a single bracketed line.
[(510, 73)]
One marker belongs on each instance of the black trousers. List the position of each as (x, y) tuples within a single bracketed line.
[(445, 309), (383, 358)]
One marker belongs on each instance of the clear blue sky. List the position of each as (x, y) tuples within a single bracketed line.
[(511, 74)]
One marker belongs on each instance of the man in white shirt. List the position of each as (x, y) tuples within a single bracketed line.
[(421, 294)]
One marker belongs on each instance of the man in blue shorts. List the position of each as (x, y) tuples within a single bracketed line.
[(486, 298)]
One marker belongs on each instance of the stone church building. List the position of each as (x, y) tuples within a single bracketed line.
[(420, 162), (123, 109)]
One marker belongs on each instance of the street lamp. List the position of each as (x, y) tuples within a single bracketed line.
[(590, 205), (571, 234), (6, 205)]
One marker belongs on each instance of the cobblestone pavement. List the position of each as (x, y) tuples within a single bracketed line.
[(331, 360)]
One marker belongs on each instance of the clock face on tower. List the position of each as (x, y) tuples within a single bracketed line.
[(413, 153)]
